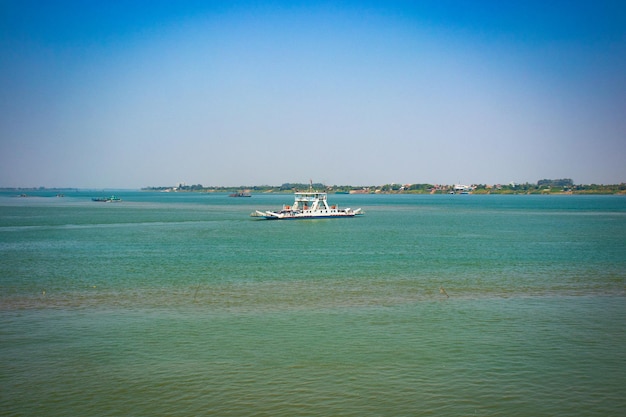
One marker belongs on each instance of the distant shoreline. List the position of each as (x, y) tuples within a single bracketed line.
[(556, 187), (479, 189)]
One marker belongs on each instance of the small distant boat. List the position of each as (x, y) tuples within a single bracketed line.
[(241, 194), (111, 199), (308, 205)]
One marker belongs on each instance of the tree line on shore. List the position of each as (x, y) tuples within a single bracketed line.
[(544, 186)]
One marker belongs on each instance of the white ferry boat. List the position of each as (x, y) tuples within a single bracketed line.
[(308, 205)]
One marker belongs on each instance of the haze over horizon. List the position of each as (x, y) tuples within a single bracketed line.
[(134, 94)]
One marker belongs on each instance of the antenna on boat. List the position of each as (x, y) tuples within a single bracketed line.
[(310, 185)]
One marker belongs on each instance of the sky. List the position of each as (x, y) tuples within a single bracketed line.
[(131, 94)]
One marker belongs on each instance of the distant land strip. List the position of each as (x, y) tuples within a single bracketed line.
[(545, 186), (560, 186)]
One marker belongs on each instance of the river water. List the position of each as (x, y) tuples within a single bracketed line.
[(170, 304)]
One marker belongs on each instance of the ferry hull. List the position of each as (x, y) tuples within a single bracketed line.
[(284, 216)]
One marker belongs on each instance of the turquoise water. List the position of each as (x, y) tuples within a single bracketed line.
[(181, 304)]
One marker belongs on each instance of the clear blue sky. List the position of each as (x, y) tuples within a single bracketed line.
[(97, 94)]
